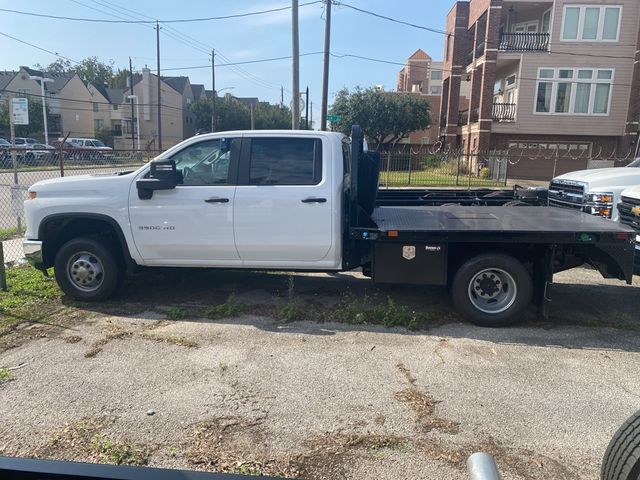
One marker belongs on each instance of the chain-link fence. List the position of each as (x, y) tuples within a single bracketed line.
[(21, 168)]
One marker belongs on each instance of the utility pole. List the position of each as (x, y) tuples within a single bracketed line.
[(133, 142), (281, 96), (306, 113), (159, 96), (213, 91), (295, 103), (325, 72), (311, 107)]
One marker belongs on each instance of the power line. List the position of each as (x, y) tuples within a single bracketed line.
[(246, 62), (39, 48), (181, 20)]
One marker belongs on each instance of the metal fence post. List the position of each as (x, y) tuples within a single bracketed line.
[(3, 272), (459, 156), (410, 162)]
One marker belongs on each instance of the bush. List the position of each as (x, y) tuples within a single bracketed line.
[(484, 172)]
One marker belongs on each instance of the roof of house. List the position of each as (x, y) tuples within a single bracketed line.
[(5, 78), (177, 83), (116, 95), (59, 79), (419, 55), (197, 89)]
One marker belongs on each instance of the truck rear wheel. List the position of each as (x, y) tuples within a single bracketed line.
[(622, 459), (87, 270), (492, 290)]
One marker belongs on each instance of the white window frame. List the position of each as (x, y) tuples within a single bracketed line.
[(550, 12), (525, 25), (574, 80), (583, 8)]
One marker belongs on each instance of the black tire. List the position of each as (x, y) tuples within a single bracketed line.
[(86, 250), (622, 459), (510, 285)]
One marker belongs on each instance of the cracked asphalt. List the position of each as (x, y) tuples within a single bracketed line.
[(330, 400)]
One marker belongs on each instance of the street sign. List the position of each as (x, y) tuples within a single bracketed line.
[(334, 118), (20, 111)]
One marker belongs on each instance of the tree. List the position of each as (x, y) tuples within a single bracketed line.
[(90, 69), (385, 117), (36, 123), (234, 115)]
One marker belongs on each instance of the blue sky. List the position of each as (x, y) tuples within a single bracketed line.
[(239, 39)]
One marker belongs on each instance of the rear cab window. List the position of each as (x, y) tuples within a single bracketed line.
[(284, 161)]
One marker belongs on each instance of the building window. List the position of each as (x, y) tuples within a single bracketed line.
[(24, 92), (98, 124), (591, 23), (416, 87), (435, 90), (96, 106), (436, 74), (115, 106), (575, 91)]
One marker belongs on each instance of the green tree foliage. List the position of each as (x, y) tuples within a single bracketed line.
[(385, 117), (233, 115), (36, 124), (90, 69)]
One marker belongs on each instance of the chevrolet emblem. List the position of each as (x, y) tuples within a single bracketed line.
[(635, 211)]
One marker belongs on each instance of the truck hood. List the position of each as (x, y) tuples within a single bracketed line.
[(77, 185), (632, 192), (597, 178)]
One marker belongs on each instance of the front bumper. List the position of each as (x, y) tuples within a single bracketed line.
[(33, 252)]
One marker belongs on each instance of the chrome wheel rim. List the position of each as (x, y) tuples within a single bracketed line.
[(85, 271), (492, 290)]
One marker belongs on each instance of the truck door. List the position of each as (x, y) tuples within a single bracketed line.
[(283, 211), (191, 224)]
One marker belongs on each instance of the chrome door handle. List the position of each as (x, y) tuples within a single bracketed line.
[(314, 200), (217, 200)]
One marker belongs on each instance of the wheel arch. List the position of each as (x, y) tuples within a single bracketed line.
[(56, 229)]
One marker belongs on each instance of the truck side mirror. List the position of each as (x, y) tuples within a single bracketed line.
[(162, 175)]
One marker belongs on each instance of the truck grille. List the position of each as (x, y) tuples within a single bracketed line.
[(566, 195), (626, 217)]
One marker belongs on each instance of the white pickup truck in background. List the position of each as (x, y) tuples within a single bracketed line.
[(596, 191), (629, 212)]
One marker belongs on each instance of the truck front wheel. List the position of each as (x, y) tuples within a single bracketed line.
[(492, 290), (87, 270)]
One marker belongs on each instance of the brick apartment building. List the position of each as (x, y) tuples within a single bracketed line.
[(420, 75), (558, 78)]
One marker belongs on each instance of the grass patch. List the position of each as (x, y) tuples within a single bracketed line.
[(30, 296), (290, 309), (230, 308), (5, 374), (435, 178), (367, 310), (9, 233)]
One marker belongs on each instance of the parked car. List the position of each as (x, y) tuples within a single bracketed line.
[(39, 154), (5, 154), (24, 142), (92, 143), (91, 150), (596, 191)]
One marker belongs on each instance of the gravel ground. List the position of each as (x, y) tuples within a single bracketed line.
[(329, 400)]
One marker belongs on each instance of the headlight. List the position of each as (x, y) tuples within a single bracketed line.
[(606, 197), (600, 211)]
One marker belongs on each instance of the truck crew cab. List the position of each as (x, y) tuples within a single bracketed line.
[(306, 200)]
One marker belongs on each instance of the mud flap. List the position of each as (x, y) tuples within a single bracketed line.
[(543, 280)]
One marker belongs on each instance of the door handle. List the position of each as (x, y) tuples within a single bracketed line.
[(217, 200), (314, 200)]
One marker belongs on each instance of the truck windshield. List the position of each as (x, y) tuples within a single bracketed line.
[(635, 163)]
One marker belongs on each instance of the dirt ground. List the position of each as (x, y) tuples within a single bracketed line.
[(259, 373)]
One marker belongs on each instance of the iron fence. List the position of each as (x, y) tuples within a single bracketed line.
[(524, 42)]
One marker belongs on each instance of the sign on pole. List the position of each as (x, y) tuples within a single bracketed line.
[(20, 111), (334, 118)]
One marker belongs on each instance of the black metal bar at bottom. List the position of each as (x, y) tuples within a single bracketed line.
[(34, 469)]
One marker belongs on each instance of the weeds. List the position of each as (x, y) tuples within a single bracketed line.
[(230, 308), (9, 233), (5, 374), (367, 310), (292, 308), (177, 313)]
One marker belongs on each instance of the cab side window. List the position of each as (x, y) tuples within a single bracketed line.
[(204, 163), (285, 161)]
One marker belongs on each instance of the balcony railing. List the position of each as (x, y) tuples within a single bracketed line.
[(504, 112), (524, 42)]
